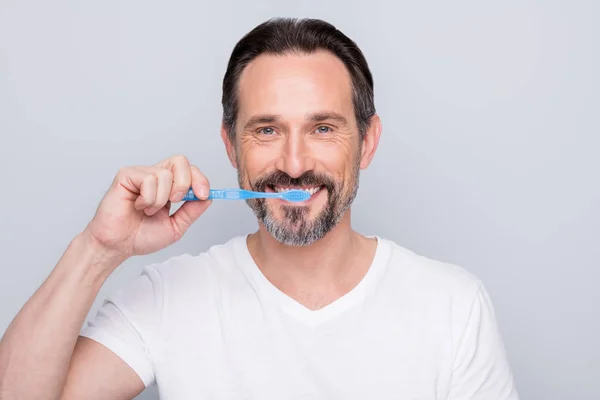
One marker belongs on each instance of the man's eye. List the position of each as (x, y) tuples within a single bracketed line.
[(323, 129), (267, 131)]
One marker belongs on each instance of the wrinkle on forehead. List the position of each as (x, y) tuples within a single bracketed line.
[(293, 85)]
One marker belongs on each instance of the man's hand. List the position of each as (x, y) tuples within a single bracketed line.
[(133, 217)]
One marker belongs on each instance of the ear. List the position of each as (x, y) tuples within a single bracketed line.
[(370, 141), (229, 146)]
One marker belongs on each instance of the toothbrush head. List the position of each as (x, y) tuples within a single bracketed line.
[(296, 195)]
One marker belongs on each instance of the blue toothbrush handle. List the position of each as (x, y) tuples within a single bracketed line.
[(214, 194), (230, 194)]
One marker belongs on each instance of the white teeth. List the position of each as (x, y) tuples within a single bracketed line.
[(312, 190)]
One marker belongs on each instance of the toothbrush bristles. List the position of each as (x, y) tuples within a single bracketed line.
[(296, 195)]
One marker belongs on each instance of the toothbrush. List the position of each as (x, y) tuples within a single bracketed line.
[(293, 195)]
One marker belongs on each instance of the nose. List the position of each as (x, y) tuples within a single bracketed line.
[(295, 156)]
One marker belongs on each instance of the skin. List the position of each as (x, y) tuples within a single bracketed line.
[(41, 354), (291, 90)]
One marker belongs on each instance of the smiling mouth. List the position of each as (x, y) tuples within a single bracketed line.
[(310, 189)]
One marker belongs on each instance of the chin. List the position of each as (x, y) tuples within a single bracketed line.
[(290, 227), (294, 240)]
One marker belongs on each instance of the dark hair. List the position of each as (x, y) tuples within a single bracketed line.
[(284, 35)]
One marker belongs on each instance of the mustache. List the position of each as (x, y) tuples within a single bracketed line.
[(280, 178)]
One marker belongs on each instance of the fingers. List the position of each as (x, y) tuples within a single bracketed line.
[(185, 176), (147, 191), (154, 187), (164, 188), (182, 177), (130, 179), (200, 184), (187, 214)]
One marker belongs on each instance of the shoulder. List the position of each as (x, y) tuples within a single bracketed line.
[(440, 294), (167, 287), (429, 283), (180, 271), (429, 272), (216, 263)]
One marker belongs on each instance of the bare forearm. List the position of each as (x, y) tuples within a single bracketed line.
[(36, 350)]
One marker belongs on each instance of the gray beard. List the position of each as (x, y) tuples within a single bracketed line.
[(294, 229)]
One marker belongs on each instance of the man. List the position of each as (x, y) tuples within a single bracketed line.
[(305, 307)]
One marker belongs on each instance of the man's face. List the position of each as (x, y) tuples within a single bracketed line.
[(296, 129)]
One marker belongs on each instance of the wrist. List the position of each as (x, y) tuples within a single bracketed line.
[(94, 257)]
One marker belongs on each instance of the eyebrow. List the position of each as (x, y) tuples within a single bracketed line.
[(316, 117), (260, 119), (325, 116)]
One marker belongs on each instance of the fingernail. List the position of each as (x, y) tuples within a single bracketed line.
[(204, 192)]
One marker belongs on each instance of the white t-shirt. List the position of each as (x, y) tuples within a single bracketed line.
[(211, 326)]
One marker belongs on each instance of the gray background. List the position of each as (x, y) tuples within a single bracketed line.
[(488, 157)]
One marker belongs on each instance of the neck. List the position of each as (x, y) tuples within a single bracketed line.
[(330, 266)]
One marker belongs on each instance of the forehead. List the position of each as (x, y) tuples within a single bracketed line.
[(295, 84)]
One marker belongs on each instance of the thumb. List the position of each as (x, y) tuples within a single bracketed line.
[(187, 214)]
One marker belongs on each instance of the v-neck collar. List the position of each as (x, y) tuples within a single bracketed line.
[(299, 311)]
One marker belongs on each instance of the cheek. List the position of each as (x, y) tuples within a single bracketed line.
[(336, 158), (256, 159)]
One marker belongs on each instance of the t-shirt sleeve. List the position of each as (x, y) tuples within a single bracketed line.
[(126, 321), (481, 369)]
